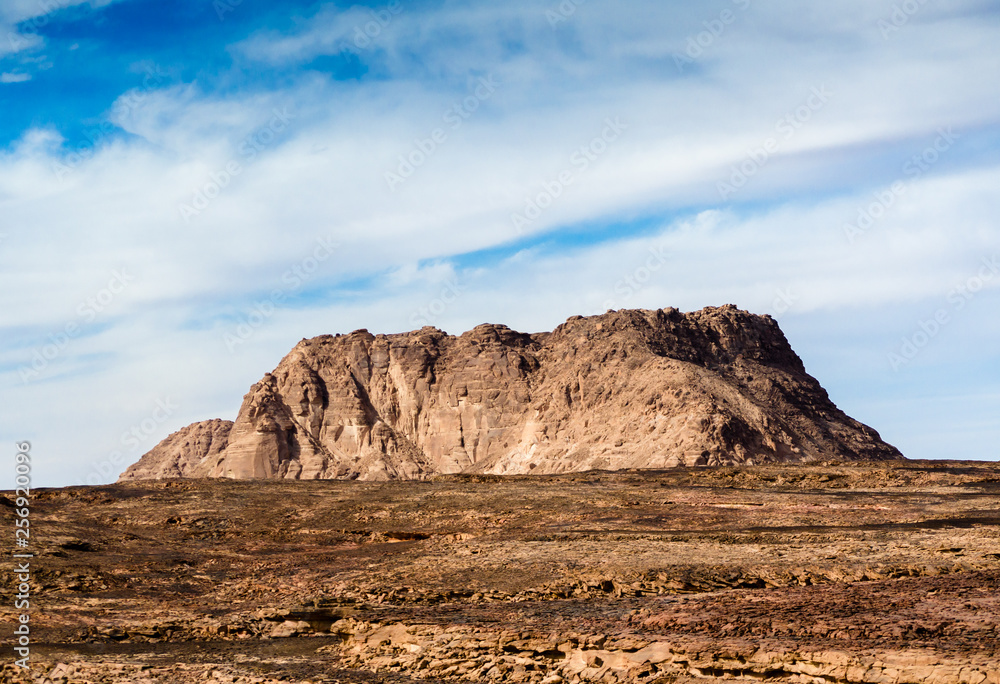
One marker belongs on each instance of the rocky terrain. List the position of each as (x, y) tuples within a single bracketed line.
[(819, 573), (627, 389)]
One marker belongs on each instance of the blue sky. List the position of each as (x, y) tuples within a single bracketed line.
[(189, 187)]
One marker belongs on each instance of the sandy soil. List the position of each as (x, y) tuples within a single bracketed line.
[(820, 573)]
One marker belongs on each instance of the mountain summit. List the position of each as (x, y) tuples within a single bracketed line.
[(625, 389)]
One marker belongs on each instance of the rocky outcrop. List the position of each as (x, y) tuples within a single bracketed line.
[(433, 652), (626, 389), (184, 452)]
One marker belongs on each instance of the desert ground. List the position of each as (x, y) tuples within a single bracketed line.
[(827, 572)]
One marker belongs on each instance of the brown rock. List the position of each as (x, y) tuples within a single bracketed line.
[(189, 450), (626, 389)]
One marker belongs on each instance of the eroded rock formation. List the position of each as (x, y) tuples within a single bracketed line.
[(626, 389), (184, 451)]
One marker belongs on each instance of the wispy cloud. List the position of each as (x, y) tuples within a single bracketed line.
[(77, 206), (23, 21)]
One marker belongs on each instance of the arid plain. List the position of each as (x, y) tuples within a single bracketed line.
[(827, 572)]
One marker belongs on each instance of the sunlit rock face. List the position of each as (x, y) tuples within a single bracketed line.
[(626, 389)]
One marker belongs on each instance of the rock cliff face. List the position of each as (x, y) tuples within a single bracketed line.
[(626, 389)]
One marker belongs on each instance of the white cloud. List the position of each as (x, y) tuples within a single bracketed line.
[(150, 351), (21, 22), (280, 169), (7, 77)]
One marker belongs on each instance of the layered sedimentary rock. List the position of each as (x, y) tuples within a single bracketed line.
[(626, 389)]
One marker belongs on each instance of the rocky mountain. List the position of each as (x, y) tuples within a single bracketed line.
[(626, 389)]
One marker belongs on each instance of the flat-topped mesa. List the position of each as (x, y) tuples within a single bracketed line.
[(625, 389), (710, 337)]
